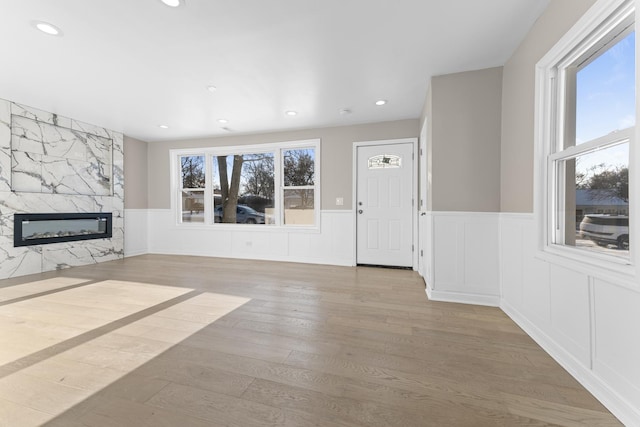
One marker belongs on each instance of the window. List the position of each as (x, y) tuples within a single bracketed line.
[(192, 187), (586, 139), (243, 188), (298, 190), (263, 185)]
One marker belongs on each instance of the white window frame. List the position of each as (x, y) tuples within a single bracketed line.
[(210, 153), (178, 196), (550, 111), (284, 187)]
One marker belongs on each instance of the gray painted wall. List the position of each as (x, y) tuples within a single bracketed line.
[(336, 160), (426, 117), (466, 110), (135, 169), (516, 164)]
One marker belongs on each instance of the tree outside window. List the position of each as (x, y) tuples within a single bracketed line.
[(243, 187), (192, 188)]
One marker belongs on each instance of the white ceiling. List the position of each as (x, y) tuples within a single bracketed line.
[(131, 65)]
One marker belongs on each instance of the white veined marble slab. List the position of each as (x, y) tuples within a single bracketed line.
[(51, 163)]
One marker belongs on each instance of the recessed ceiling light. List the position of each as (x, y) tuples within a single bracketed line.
[(223, 121), (47, 28), (172, 3), (212, 88), (163, 126), (291, 113), (381, 102)]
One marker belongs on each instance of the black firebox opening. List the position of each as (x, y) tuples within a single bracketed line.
[(43, 228)]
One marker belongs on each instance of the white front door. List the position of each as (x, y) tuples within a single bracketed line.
[(384, 205)]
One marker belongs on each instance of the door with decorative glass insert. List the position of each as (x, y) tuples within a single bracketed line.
[(384, 202)]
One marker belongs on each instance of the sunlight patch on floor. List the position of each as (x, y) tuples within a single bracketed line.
[(31, 288), (33, 391)]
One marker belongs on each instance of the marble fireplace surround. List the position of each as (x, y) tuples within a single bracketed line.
[(54, 164)]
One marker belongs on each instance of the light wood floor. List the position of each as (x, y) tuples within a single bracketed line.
[(187, 341)]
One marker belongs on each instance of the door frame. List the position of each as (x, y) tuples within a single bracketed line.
[(414, 193), (422, 204)]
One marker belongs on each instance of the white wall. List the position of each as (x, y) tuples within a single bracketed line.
[(589, 324), (462, 257), (136, 241), (333, 244)]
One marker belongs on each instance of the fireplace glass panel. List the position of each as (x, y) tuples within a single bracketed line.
[(62, 228), (38, 229)]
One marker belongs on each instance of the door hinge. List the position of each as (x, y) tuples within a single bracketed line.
[(413, 156), (412, 248), (421, 252), (413, 202), (421, 153)]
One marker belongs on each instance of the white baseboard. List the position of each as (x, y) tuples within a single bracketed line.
[(303, 260), (136, 253), (625, 411), (462, 298)]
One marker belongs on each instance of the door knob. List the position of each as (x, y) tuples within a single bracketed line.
[(360, 211)]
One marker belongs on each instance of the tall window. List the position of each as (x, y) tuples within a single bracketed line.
[(268, 185), (590, 92), (298, 193), (192, 188)]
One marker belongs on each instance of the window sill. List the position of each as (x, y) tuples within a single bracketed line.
[(617, 271)]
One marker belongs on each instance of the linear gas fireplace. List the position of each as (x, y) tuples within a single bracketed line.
[(45, 228)]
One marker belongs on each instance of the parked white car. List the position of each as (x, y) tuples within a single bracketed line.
[(605, 230)]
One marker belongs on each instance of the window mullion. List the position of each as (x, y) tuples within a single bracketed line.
[(208, 189), (278, 186)]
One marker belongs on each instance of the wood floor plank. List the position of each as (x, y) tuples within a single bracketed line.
[(216, 407), (13, 414), (189, 373), (556, 413), (195, 341), (351, 410)]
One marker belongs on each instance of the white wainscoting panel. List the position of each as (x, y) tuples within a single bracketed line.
[(333, 244), (569, 299), (588, 324), (135, 235), (617, 338), (465, 254)]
